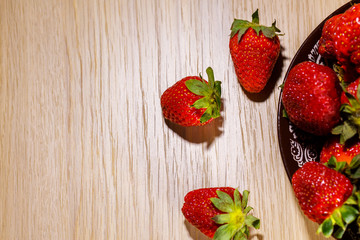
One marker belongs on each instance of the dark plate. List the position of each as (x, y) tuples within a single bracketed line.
[(298, 147)]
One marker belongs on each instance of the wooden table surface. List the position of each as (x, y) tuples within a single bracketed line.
[(85, 152)]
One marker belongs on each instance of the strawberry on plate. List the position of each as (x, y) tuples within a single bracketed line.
[(325, 197), (254, 50), (326, 42), (340, 38), (311, 98), (346, 37), (220, 213), (192, 101), (342, 152)]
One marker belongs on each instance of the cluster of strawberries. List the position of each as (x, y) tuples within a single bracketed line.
[(324, 101), (222, 213)]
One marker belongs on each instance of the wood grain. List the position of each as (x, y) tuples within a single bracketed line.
[(84, 150)]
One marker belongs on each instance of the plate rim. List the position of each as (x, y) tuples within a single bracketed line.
[(341, 9)]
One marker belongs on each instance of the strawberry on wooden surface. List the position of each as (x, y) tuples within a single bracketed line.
[(254, 50), (220, 213), (325, 197), (192, 101), (311, 98)]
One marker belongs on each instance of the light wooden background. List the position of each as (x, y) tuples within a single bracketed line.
[(84, 150)]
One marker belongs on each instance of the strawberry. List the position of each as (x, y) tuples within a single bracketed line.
[(254, 50), (219, 213), (324, 197), (342, 152), (346, 37), (192, 101), (326, 42), (311, 98), (340, 38)]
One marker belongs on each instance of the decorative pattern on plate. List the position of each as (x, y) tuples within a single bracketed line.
[(301, 152), (314, 55)]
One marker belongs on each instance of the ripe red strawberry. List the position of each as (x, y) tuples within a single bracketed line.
[(192, 101), (341, 37), (326, 42), (311, 98), (346, 37), (254, 50), (342, 152), (219, 213), (322, 194)]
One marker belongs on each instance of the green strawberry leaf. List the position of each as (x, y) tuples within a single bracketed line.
[(201, 103), (331, 163), (337, 217), (352, 100), (225, 198), (326, 228), (207, 115), (252, 221), (198, 87), (352, 200), (224, 232), (356, 174), (349, 213), (240, 236), (244, 199), (339, 233), (255, 17), (240, 26), (346, 108), (284, 114), (340, 166), (247, 209), (257, 29), (355, 162), (240, 33), (346, 130), (224, 203), (222, 218), (237, 199), (211, 77), (217, 87), (357, 195)]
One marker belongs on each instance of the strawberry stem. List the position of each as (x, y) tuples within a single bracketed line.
[(211, 93), (350, 126), (234, 222), (240, 26)]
